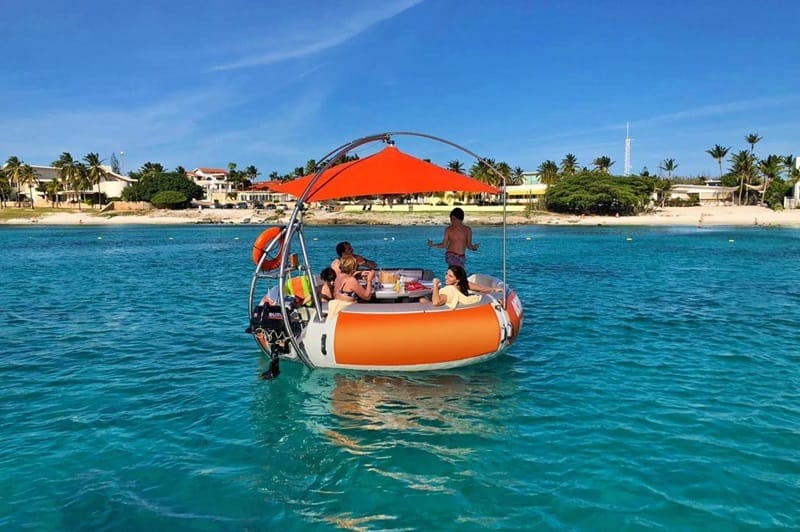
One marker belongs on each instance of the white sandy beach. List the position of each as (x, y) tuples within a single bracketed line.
[(679, 216)]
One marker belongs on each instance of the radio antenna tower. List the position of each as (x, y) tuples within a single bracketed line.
[(628, 140)]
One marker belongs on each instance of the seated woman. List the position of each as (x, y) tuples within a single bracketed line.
[(328, 277), (347, 289), (455, 291)]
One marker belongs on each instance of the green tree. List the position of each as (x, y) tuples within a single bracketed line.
[(53, 189), (790, 168), (742, 166), (13, 171), (770, 169), (235, 177), (115, 164), (170, 199), (603, 164), (569, 165), (597, 193), (251, 174), (752, 139), (69, 171), (548, 172), (482, 170), (95, 172), (5, 189), (30, 178), (517, 176), (150, 168), (669, 166), (150, 183), (719, 152), (456, 166), (663, 188)]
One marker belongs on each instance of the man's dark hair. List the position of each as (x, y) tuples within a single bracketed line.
[(341, 247), (458, 213)]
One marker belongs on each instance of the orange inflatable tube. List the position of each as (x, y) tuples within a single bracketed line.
[(261, 243), (366, 339)]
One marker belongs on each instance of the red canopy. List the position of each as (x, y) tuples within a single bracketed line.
[(387, 172)]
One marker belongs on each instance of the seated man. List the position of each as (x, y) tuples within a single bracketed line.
[(343, 249)]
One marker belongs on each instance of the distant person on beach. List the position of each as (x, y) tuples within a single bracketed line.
[(343, 249), (457, 239)]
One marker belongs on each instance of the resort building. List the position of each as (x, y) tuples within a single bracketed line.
[(214, 182), (708, 194), (110, 187)]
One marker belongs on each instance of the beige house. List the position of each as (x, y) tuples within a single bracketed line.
[(708, 195), (112, 186)]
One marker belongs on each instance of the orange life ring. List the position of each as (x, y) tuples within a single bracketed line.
[(261, 243)]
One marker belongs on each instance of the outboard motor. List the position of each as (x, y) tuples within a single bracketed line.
[(266, 322)]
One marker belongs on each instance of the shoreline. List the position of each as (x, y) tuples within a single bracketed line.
[(669, 216)]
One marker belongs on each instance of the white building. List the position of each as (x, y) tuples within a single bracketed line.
[(214, 182)]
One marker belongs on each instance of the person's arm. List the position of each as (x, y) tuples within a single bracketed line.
[(364, 292), (437, 299), (469, 244), (366, 263), (479, 288), (445, 240)]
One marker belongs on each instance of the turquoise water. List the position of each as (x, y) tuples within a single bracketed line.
[(656, 383)]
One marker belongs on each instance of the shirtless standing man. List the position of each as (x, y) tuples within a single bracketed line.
[(457, 239)]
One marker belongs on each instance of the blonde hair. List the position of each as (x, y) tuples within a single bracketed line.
[(348, 264)]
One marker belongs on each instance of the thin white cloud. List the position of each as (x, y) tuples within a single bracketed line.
[(722, 109), (339, 32)]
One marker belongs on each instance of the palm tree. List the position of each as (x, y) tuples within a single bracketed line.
[(5, 188), (95, 172), (663, 187), (13, 171), (548, 172), (603, 164), (789, 167), (719, 152), (152, 168), (69, 171), (770, 168), (752, 139), (456, 166), (669, 166), (29, 177), (517, 176), (569, 165), (274, 176), (252, 172), (742, 166), (52, 189), (481, 171)]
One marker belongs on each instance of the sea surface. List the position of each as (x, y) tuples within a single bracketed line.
[(655, 384)]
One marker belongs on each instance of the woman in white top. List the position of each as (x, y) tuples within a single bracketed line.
[(456, 289)]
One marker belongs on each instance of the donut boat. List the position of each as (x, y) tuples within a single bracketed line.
[(394, 331)]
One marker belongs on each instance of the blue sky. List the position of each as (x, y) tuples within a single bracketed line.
[(274, 84)]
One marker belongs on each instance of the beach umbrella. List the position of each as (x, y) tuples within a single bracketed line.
[(388, 172)]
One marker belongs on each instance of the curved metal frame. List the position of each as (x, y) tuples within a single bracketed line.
[(294, 226)]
